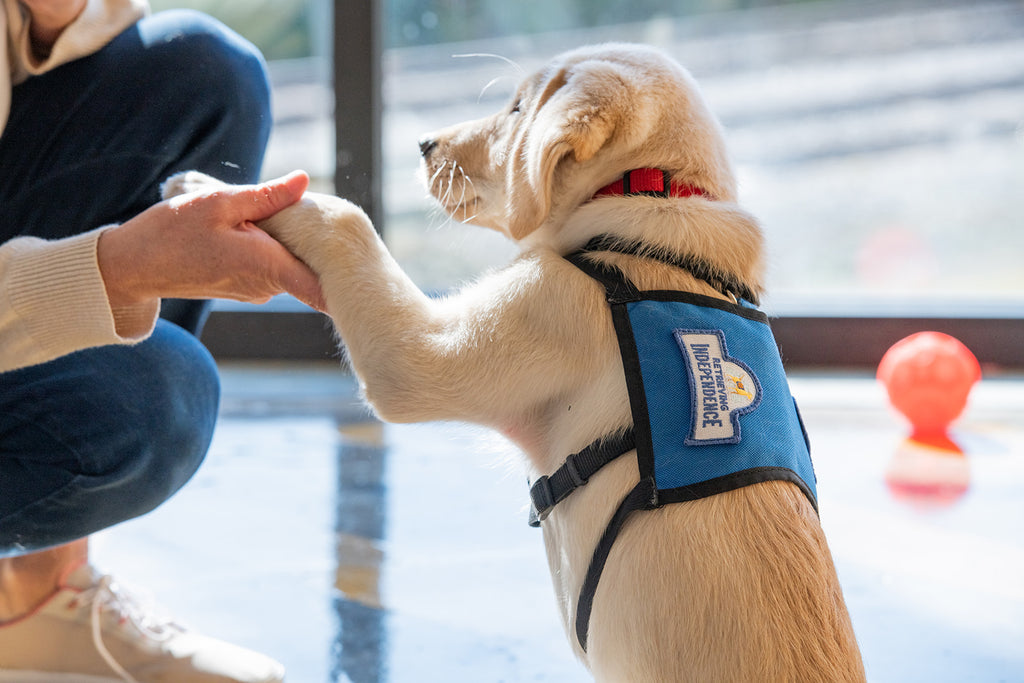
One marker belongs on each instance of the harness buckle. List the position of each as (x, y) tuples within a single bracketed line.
[(574, 473), (543, 499)]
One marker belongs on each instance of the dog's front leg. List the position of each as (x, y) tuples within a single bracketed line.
[(418, 358), (378, 311), (494, 354)]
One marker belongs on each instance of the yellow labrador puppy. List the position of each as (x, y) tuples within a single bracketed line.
[(610, 172)]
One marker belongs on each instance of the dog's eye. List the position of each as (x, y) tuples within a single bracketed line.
[(517, 107)]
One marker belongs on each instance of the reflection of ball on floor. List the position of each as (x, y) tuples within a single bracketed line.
[(928, 475), (928, 376)]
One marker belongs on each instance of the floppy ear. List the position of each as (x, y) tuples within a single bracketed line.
[(576, 113)]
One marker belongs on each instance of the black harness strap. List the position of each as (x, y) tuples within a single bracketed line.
[(617, 287), (578, 468), (642, 497), (724, 282)]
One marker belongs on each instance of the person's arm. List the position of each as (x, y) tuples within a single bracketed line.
[(104, 287), (53, 301), (207, 246)]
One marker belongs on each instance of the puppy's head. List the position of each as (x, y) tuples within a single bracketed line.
[(589, 116)]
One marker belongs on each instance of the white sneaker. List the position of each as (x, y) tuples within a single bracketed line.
[(92, 631)]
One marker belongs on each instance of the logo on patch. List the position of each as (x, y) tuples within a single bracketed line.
[(722, 388)]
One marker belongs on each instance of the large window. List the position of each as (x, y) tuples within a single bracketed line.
[(881, 144)]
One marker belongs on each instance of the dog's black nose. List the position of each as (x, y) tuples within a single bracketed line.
[(426, 146)]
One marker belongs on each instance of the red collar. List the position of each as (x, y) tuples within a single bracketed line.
[(650, 182)]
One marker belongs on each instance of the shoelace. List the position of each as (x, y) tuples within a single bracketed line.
[(107, 594)]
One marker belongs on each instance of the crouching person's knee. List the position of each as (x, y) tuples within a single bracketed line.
[(102, 436), (169, 409)]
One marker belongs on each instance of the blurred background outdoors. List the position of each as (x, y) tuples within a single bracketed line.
[(881, 144)]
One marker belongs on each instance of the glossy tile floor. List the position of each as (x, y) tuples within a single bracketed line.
[(353, 551)]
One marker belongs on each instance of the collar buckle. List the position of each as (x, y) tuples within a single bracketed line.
[(649, 182)]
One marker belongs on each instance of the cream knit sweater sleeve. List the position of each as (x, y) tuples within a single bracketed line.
[(53, 302), (52, 297)]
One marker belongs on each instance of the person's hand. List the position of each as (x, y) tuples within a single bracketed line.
[(48, 20), (205, 245)]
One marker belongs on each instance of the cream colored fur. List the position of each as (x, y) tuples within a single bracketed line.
[(736, 587)]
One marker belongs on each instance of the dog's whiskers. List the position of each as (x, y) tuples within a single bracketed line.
[(466, 185), (452, 195), (447, 182), (438, 187), (440, 168), (519, 70), (451, 185), (446, 195), (483, 90)]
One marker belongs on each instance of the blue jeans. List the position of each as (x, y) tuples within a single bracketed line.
[(107, 434)]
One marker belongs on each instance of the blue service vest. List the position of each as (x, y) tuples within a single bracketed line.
[(711, 410), (706, 377)]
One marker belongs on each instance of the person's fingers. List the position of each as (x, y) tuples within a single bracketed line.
[(304, 285), (256, 202)]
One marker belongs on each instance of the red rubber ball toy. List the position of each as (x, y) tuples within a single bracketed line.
[(929, 376)]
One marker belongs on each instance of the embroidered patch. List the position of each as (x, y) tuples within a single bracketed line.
[(721, 388)]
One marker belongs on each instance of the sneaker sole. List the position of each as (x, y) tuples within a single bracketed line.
[(52, 677)]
